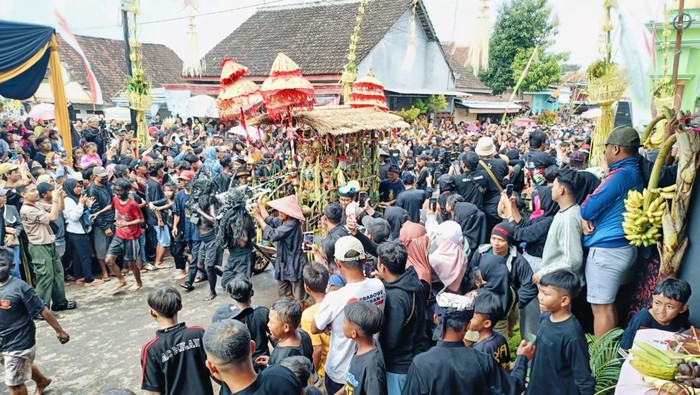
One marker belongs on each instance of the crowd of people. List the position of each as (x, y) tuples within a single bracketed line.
[(476, 234)]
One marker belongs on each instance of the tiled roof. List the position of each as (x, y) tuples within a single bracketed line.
[(458, 58), (106, 57), (316, 36)]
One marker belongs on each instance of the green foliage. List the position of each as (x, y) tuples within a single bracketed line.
[(604, 360), (544, 70), (547, 117), (521, 24), (408, 115), (431, 105), (514, 342)]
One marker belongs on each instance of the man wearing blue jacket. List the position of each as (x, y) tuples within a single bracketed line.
[(610, 257)]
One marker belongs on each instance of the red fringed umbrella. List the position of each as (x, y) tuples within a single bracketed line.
[(236, 95), (286, 90), (368, 92)]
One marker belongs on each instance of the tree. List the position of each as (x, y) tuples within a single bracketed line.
[(432, 105), (544, 70), (521, 24)]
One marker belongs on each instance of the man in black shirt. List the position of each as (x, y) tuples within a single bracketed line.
[(440, 370), (228, 347), (331, 219), (472, 183), (174, 361), (385, 163), (499, 168), (411, 199), (536, 160), (154, 192), (94, 134), (19, 305), (102, 216), (44, 149)]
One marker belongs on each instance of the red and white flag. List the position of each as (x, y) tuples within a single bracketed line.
[(69, 37)]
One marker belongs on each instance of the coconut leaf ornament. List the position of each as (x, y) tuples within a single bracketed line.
[(368, 92), (236, 95), (286, 89)]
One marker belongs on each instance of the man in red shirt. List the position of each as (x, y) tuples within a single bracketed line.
[(125, 242)]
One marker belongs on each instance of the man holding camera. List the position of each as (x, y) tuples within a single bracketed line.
[(93, 134)]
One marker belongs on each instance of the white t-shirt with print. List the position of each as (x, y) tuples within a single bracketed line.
[(341, 348)]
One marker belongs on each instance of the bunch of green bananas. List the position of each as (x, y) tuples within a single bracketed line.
[(642, 225), (652, 362)]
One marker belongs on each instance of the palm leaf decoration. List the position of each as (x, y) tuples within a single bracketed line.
[(604, 360)]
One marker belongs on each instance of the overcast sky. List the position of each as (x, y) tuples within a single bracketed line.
[(579, 30)]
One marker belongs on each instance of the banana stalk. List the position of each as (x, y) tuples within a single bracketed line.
[(650, 128), (656, 171), (675, 240)]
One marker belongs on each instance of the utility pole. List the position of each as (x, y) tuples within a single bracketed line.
[(127, 52), (678, 89)]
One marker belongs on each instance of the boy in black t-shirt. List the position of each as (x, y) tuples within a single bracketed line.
[(174, 361), (254, 317), (487, 310), (19, 305), (284, 321), (367, 373), (561, 362), (668, 311)]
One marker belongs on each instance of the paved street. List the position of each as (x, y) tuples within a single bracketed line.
[(107, 333)]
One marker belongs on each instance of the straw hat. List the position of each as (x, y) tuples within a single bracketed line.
[(289, 206), (485, 147)]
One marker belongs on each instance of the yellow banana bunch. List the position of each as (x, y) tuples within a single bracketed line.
[(642, 226), (650, 361)]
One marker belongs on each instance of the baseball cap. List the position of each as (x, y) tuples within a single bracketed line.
[(44, 178), (186, 175), (624, 136), (99, 171), (3, 191), (233, 312), (334, 212), (348, 248), (379, 228), (408, 177), (7, 167), (44, 187)]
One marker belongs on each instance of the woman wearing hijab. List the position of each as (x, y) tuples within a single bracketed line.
[(286, 231), (520, 278), (473, 224), (448, 259), (76, 214), (396, 216), (415, 238), (533, 232), (10, 233)]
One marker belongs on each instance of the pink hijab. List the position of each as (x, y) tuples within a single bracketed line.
[(449, 260), (415, 238)]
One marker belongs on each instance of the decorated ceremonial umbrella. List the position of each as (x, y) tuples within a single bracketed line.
[(236, 95), (525, 122), (201, 106), (286, 90), (368, 92)]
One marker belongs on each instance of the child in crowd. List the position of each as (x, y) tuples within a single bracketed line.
[(284, 320), (125, 242), (561, 361), (167, 367), (91, 158), (668, 311), (367, 373), (242, 309), (303, 368), (315, 281), (19, 305), (487, 310), (164, 213)]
